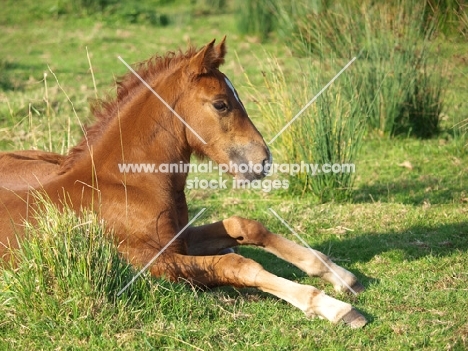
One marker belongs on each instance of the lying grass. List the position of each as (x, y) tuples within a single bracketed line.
[(404, 232)]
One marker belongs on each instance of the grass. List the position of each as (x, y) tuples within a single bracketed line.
[(399, 79), (327, 132), (404, 231), (392, 247)]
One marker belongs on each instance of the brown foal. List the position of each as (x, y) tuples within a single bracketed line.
[(147, 210)]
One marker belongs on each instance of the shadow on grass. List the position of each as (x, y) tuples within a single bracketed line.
[(429, 189), (411, 244), (15, 74)]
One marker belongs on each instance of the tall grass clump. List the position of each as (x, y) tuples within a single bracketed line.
[(450, 16), (60, 292), (328, 133), (66, 270), (397, 73), (256, 17)]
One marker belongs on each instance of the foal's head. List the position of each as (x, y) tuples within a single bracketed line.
[(218, 116)]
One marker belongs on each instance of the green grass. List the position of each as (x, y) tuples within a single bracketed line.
[(399, 79), (412, 261), (328, 132), (403, 232)]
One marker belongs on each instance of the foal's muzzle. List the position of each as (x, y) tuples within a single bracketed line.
[(250, 162)]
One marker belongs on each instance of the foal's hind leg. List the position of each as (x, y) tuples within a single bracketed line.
[(235, 270), (210, 239)]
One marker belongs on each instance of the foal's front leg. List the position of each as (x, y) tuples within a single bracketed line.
[(210, 239), (235, 270)]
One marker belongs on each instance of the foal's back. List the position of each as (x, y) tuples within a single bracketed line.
[(25, 169), (21, 171)]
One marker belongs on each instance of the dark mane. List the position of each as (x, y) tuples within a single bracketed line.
[(104, 110)]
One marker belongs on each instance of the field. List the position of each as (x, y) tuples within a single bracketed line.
[(401, 227)]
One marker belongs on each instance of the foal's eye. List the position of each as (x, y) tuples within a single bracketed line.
[(220, 106)]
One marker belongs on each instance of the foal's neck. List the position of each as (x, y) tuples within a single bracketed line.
[(142, 131)]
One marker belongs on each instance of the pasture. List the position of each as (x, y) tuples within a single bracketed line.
[(401, 227)]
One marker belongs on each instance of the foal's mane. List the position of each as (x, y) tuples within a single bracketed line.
[(127, 86)]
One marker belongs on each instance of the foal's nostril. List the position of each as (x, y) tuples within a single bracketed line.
[(266, 164)]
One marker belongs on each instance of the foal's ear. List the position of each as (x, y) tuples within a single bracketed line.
[(221, 51), (209, 57)]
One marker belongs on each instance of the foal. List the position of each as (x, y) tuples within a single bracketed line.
[(147, 210)]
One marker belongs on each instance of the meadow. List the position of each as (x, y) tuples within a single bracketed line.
[(399, 222)]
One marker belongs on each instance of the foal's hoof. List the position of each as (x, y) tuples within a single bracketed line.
[(226, 251), (354, 319), (357, 288)]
